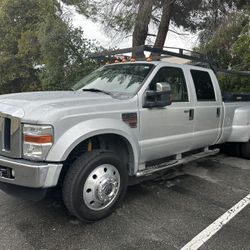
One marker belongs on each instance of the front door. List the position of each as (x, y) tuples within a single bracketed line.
[(169, 130)]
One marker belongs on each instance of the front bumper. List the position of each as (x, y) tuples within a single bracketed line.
[(30, 174)]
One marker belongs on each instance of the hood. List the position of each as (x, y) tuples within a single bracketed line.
[(37, 105)]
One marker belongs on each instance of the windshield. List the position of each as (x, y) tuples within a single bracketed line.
[(120, 78)]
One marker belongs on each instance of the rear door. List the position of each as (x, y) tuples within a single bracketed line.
[(208, 108)]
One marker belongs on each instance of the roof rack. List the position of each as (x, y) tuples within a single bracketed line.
[(160, 53), (194, 57)]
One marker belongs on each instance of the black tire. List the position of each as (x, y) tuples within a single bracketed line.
[(245, 150), (231, 149), (76, 177)]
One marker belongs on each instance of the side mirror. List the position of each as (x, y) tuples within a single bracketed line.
[(163, 87), (159, 98)]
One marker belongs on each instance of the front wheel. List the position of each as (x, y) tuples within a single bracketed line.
[(94, 185)]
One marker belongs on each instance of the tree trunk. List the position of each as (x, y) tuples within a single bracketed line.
[(164, 25), (141, 24)]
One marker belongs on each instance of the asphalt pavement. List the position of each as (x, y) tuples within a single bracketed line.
[(165, 213)]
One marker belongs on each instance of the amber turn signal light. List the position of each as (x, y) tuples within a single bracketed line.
[(41, 139)]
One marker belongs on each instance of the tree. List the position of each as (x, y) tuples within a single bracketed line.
[(134, 16), (230, 44), (230, 48), (18, 44), (218, 13), (39, 49), (142, 21), (167, 10), (64, 54)]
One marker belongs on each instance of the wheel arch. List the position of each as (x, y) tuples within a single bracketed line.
[(108, 142), (116, 134)]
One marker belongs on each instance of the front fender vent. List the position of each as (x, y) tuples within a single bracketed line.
[(130, 119)]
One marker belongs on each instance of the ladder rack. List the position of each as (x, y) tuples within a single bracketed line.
[(194, 57)]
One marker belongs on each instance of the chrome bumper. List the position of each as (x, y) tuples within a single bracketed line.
[(30, 174)]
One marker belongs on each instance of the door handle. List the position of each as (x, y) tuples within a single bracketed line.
[(191, 114), (218, 112)]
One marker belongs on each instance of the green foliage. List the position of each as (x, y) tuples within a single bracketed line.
[(216, 13), (230, 43), (39, 49), (234, 83), (119, 16), (230, 48), (241, 51)]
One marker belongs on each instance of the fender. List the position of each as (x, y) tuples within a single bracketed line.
[(241, 125), (84, 130)]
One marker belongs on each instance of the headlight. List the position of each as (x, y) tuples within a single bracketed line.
[(37, 141)]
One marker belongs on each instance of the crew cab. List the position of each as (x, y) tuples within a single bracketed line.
[(123, 121)]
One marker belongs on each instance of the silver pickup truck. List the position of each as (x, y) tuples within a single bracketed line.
[(122, 121)]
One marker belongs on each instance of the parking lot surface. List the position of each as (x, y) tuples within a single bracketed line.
[(158, 214)]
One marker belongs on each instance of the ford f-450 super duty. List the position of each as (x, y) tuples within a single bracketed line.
[(122, 121)]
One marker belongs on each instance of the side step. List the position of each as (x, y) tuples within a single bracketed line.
[(174, 163)]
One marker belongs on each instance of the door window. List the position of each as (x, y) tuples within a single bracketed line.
[(175, 77), (203, 86)]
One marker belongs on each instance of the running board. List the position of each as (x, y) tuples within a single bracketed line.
[(174, 163)]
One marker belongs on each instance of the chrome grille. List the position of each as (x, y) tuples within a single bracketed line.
[(10, 136)]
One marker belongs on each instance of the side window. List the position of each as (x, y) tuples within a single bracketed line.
[(175, 77), (203, 85)]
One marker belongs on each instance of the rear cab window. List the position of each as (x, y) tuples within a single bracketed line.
[(203, 86)]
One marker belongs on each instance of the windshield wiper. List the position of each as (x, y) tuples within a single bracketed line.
[(99, 91)]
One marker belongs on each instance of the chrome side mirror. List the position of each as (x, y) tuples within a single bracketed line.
[(159, 98), (163, 87)]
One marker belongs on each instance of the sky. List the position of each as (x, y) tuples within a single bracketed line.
[(95, 31)]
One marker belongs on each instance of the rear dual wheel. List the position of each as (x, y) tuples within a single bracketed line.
[(245, 150), (94, 185), (237, 149)]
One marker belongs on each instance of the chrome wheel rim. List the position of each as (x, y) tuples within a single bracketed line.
[(101, 187)]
